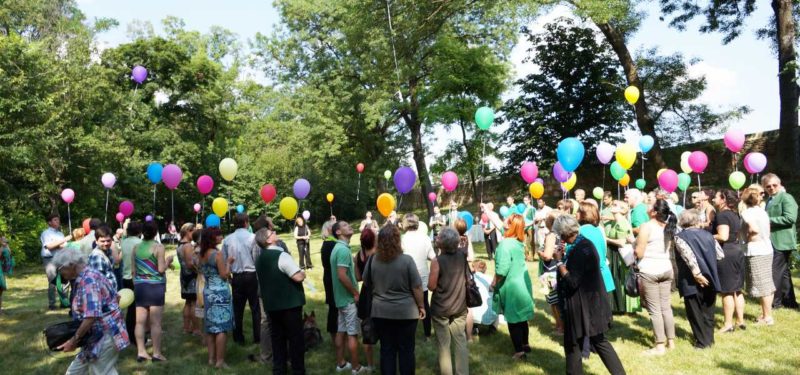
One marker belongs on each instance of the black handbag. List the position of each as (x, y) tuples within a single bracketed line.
[(632, 282), (59, 333), (473, 294), (368, 334)]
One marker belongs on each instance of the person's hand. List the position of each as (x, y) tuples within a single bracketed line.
[(68, 238), (355, 298), (558, 255), (231, 259), (631, 238), (68, 346), (421, 312), (701, 280)]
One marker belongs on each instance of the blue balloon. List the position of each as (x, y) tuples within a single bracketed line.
[(240, 208), (212, 220), (154, 172), (466, 216), (570, 153), (520, 208), (505, 211), (646, 143)]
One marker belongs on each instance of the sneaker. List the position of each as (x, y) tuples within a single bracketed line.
[(345, 367), (361, 370)]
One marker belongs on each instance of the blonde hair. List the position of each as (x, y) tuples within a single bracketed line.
[(78, 233)]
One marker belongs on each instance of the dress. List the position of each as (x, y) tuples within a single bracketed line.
[(514, 296), (731, 268), (620, 302), (217, 298), (6, 267), (188, 276)]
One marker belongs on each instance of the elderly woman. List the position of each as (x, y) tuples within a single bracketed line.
[(513, 295), (698, 280), (619, 235), (95, 305), (587, 314), (758, 254), (449, 303)]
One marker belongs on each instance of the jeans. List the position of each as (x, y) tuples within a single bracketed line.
[(245, 290), (305, 254), (782, 276), (287, 340), (397, 342), (453, 329), (656, 292), (51, 287)]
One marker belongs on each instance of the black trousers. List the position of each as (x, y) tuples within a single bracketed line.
[(305, 254), (700, 313), (245, 290), (333, 319), (397, 343), (130, 313), (426, 323), (784, 289), (287, 340), (607, 354), (519, 336), (491, 243)]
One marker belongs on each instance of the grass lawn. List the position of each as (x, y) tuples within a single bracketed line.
[(758, 350)]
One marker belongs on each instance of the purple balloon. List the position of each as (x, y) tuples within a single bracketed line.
[(139, 74), (301, 188), (755, 162), (605, 152), (539, 180), (404, 179), (559, 173), (171, 175), (148, 218)]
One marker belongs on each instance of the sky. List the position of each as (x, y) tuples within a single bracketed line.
[(743, 72)]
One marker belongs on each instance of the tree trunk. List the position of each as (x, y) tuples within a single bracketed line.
[(643, 119), (467, 152), (411, 118), (788, 88)]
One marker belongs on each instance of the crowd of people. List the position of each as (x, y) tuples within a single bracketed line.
[(407, 272)]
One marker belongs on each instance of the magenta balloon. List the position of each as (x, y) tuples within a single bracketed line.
[(698, 161), (171, 175), (605, 152), (301, 188), (449, 181), (196, 207), (120, 217), (205, 184), (668, 180), (755, 162), (126, 208), (559, 173), (68, 195), (139, 74), (432, 196), (734, 140), (529, 172), (108, 180)]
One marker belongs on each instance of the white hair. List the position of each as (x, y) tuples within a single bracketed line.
[(635, 195), (566, 226), (64, 258)]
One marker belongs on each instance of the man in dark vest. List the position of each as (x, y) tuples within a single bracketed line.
[(281, 283)]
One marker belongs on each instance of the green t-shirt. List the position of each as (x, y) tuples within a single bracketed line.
[(639, 215), (529, 216), (341, 257)]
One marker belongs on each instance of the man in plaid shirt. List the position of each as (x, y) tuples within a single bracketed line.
[(99, 258)]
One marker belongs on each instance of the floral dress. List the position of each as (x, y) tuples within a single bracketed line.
[(216, 297)]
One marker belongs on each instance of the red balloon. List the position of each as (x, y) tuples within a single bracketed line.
[(360, 167), (268, 193), (85, 225)]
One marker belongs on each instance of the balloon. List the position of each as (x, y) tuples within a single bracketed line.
[(605, 152), (598, 193), (698, 161), (685, 168), (559, 173), (126, 208), (172, 175), (632, 94), (387, 174), (484, 117), (685, 156), (386, 204), (505, 211), (569, 184), (646, 143), (108, 180), (197, 207), (139, 74), (570, 153), (734, 140), (176, 263), (219, 206), (125, 298), (529, 171), (85, 225), (640, 184), (539, 180), (404, 179), (306, 215), (467, 217), (432, 197), (154, 172), (329, 197), (625, 180), (212, 221), (536, 189), (148, 218), (450, 181), (288, 208), (626, 156), (268, 193), (668, 180), (239, 208), (360, 167), (68, 195), (520, 208), (737, 180), (120, 217), (755, 162), (228, 169), (660, 171), (301, 188), (205, 184), (684, 180), (617, 171)]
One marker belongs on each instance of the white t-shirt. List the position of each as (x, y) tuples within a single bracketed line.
[(758, 218), (418, 246)]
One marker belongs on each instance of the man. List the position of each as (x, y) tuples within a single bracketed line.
[(100, 260), (283, 298), (345, 294), (87, 243), (244, 285), (437, 221), (368, 223), (539, 221), (52, 240), (639, 214), (782, 211), (417, 245), (529, 215), (605, 212), (452, 216), (580, 195)]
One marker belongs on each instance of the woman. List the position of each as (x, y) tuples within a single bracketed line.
[(589, 218), (513, 295), (548, 268), (565, 206), (188, 277), (464, 244), (618, 235), (6, 267), (707, 212), (328, 243), (655, 271), (583, 298), (150, 286), (758, 254), (726, 228), (698, 279), (368, 246), (489, 229), (449, 301), (302, 234), (216, 296), (95, 305), (396, 301)]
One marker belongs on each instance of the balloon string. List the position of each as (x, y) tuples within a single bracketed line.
[(483, 164), (358, 192), (699, 186), (154, 201), (618, 195), (643, 159), (105, 218), (69, 219), (172, 194)]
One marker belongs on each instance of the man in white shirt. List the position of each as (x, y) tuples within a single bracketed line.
[(419, 247), (539, 222), (244, 285), (52, 240)]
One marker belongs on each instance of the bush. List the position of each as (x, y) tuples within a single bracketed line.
[(22, 230)]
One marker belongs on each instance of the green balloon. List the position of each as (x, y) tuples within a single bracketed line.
[(737, 180), (598, 193), (684, 180), (641, 183), (484, 117), (617, 171), (387, 175)]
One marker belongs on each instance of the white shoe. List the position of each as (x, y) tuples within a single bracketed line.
[(347, 366), (361, 370)]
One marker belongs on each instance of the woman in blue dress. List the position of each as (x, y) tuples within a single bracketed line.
[(216, 295)]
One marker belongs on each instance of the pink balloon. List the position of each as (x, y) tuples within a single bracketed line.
[(68, 195), (197, 207), (171, 175), (449, 181), (668, 180), (108, 180), (605, 152), (755, 162), (120, 217), (734, 140), (205, 184), (126, 208), (432, 196), (529, 172), (698, 161)]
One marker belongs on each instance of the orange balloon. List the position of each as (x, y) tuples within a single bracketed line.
[(625, 180), (386, 204), (536, 189)]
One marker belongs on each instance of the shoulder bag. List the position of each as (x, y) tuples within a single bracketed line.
[(472, 293), (368, 334)]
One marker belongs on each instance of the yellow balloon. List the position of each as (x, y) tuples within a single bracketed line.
[(626, 155), (625, 180), (569, 184), (660, 171), (685, 166), (329, 197), (536, 189), (288, 208), (632, 94), (228, 169), (125, 298), (220, 206), (386, 204)]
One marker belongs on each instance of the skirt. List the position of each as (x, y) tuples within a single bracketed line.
[(218, 308), (759, 276), (149, 295), (731, 270)]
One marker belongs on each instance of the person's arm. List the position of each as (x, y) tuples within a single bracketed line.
[(308, 233), (788, 216), (470, 252), (549, 247), (723, 232), (224, 267), (57, 243), (296, 237), (641, 241), (502, 262), (341, 273), (431, 252), (133, 262), (72, 343), (418, 299), (163, 262), (572, 277), (687, 255), (359, 273), (433, 278)]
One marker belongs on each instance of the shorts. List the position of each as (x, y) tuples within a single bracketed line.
[(348, 320), (149, 295)]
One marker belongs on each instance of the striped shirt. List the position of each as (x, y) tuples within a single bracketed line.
[(147, 265)]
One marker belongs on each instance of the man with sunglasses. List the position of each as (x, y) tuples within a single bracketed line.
[(782, 211)]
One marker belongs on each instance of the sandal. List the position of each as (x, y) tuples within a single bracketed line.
[(158, 359)]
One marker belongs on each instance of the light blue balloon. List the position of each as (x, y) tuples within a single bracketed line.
[(646, 143), (212, 221), (570, 153), (520, 208), (154, 172), (466, 216), (240, 209), (505, 211)]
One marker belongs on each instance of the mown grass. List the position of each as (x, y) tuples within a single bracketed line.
[(758, 350)]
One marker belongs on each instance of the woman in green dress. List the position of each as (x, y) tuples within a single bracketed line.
[(513, 292), (618, 232), (6, 267)]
